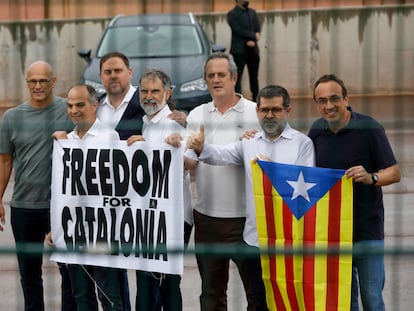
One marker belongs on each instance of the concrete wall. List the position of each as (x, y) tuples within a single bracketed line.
[(372, 49)]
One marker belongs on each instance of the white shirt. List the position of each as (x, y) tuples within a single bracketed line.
[(221, 190), (291, 147), (98, 130), (110, 115), (160, 127)]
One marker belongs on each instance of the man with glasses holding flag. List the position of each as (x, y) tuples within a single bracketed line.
[(348, 140)]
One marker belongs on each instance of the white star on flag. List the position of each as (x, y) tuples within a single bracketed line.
[(300, 187)]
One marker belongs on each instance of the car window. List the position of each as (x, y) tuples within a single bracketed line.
[(152, 41)]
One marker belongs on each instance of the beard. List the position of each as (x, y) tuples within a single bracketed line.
[(273, 128), (151, 106)]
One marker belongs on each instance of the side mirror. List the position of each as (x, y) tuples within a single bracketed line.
[(86, 55), (218, 48)]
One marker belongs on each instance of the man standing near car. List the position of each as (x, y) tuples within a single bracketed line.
[(156, 291), (220, 208), (119, 108)]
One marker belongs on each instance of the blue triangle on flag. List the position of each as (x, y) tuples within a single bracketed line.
[(301, 187)]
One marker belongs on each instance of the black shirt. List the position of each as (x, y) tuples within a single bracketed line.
[(362, 142)]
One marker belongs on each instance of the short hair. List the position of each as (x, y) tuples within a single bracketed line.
[(152, 74), (327, 78), (271, 91), (92, 94), (111, 55), (222, 55)]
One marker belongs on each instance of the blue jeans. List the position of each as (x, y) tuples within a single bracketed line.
[(368, 276)]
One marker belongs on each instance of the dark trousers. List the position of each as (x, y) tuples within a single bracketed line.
[(214, 269), (30, 226), (255, 273), (67, 298), (252, 61), (125, 289), (107, 280), (157, 291), (187, 234)]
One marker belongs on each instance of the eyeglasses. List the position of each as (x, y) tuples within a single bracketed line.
[(42, 82), (334, 99), (275, 111)]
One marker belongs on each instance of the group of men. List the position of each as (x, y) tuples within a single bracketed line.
[(27, 133), (223, 208)]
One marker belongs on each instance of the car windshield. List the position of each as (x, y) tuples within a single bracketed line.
[(152, 41)]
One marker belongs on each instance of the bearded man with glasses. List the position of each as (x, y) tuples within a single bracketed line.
[(277, 142)]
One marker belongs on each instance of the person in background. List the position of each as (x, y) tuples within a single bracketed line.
[(245, 34), (26, 146), (157, 291), (345, 139), (276, 142), (220, 205), (82, 104)]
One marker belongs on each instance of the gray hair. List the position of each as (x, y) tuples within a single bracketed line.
[(152, 74), (222, 55)]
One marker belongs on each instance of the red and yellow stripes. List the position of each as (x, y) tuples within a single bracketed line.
[(308, 281)]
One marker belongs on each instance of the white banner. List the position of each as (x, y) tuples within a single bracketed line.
[(118, 206)]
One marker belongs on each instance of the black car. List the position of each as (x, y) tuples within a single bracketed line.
[(173, 43)]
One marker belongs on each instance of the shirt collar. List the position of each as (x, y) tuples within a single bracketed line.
[(287, 133), (125, 100), (93, 130), (239, 107)]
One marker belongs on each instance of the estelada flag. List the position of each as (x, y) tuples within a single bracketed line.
[(307, 209)]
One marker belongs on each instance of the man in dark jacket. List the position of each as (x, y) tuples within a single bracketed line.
[(245, 33), (119, 108)]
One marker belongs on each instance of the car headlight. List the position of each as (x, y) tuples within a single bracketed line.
[(97, 86), (195, 85)]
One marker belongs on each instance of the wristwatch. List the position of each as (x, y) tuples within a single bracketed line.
[(374, 178)]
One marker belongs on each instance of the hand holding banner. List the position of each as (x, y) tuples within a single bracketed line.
[(118, 206)]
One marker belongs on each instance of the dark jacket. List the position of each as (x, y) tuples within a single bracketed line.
[(244, 26), (131, 120)]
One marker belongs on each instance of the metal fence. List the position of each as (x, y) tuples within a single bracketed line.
[(395, 112)]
